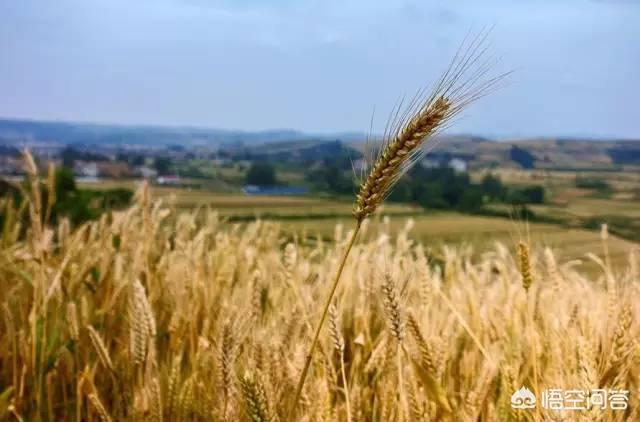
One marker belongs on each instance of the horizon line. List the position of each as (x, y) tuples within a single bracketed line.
[(308, 134)]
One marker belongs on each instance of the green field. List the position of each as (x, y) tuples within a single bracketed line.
[(482, 233), (308, 217)]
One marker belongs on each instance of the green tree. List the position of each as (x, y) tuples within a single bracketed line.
[(533, 194), (432, 196), (162, 164), (526, 195), (65, 183), (338, 181), (492, 187), (69, 156), (471, 200), (261, 174)]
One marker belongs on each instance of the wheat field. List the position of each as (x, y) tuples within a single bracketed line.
[(154, 314), (149, 315)]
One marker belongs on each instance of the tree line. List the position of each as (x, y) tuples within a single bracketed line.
[(435, 188)]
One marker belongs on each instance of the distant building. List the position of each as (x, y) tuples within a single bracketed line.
[(430, 163), (275, 190), (169, 180), (85, 169), (458, 165), (146, 172), (11, 165), (114, 169)]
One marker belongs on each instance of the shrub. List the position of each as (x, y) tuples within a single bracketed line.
[(592, 183)]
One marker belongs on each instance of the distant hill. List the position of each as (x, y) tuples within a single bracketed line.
[(544, 153), (540, 153), (287, 145), (300, 151), (14, 131)]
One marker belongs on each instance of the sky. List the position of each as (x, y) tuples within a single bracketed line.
[(320, 66)]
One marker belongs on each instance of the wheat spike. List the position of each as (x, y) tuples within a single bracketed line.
[(427, 355), (393, 308), (99, 407), (397, 153), (586, 358), (289, 259), (256, 297), (334, 330), (100, 348), (186, 400), (173, 385), (525, 265), (141, 322), (72, 321), (408, 133), (620, 343), (255, 399), (153, 391), (143, 302), (552, 270), (84, 311), (225, 364)]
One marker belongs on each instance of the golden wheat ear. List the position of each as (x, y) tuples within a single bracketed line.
[(466, 80)]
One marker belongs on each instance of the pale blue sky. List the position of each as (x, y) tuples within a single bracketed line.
[(317, 66)]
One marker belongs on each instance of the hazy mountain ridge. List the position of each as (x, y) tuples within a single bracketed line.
[(16, 131), (476, 151)]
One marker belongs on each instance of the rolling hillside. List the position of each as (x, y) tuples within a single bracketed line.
[(477, 152)]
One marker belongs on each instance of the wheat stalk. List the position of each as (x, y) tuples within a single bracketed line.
[(464, 82)]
